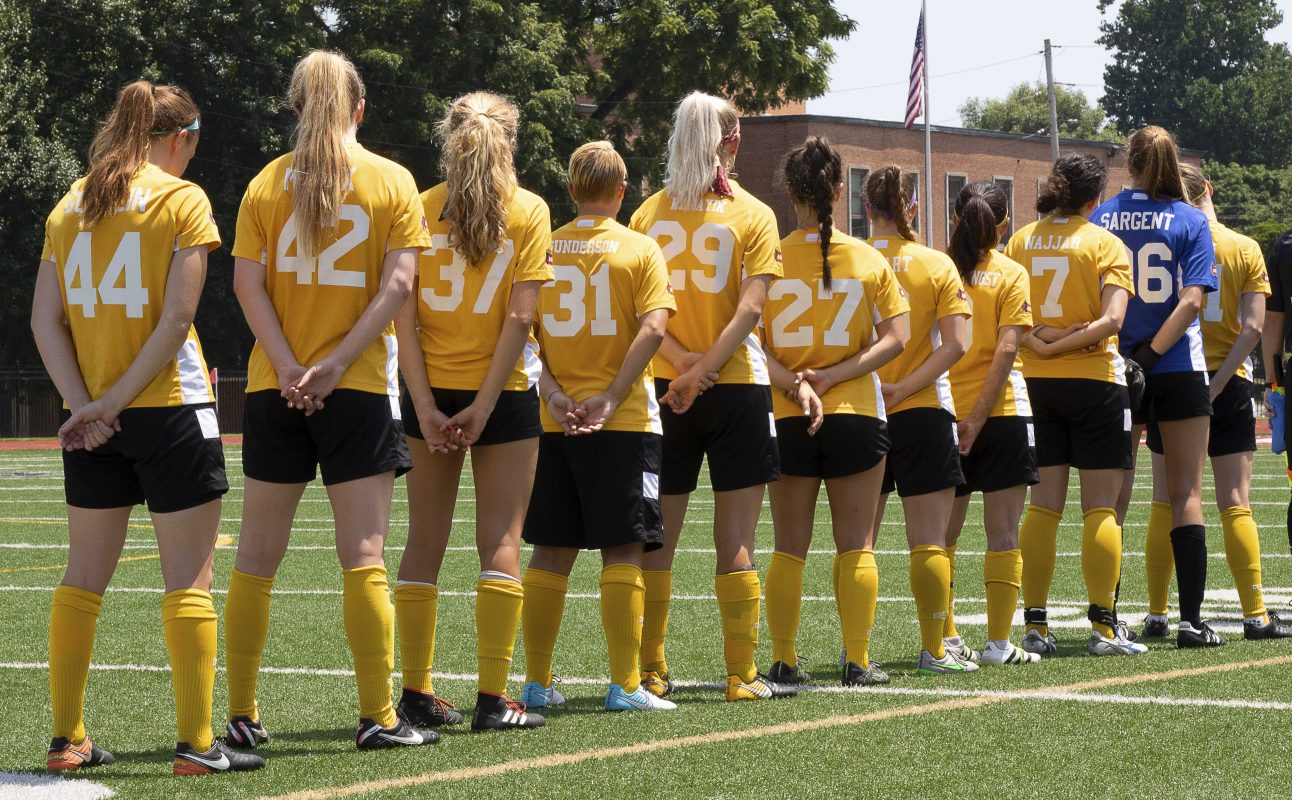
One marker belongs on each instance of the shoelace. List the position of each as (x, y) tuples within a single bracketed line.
[(440, 703), (516, 705)]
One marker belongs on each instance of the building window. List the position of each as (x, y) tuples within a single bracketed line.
[(1007, 186), (955, 183), (858, 222)]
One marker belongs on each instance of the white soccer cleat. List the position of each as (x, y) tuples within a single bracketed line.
[(536, 695), (1034, 642), (1009, 654), (640, 700), (1100, 645)]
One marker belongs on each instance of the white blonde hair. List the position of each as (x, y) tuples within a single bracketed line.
[(695, 148)]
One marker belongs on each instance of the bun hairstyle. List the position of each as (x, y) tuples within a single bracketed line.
[(1195, 183), (478, 163), (891, 192), (702, 125), (1154, 160), (814, 173), (980, 209), (142, 111), (1074, 180), (325, 91)]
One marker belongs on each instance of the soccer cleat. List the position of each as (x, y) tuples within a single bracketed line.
[(497, 713), (785, 674), (1187, 636), (857, 675), (245, 733), (963, 651), (536, 695), (1100, 645), (425, 710), (760, 688), (1273, 628), (1034, 642), (949, 664), (67, 757), (1009, 654), (1125, 632), (640, 700), (657, 683), (371, 736), (220, 758), (1156, 627)]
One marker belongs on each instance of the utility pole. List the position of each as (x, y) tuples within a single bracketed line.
[(1054, 111)]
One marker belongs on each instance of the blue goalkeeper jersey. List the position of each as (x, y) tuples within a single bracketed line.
[(1170, 248)]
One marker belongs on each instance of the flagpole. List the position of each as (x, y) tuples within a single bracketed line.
[(928, 132)]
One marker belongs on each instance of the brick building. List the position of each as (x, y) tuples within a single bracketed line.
[(960, 155)]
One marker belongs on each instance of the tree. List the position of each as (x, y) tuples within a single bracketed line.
[(1255, 200), (1204, 70), (1026, 109)]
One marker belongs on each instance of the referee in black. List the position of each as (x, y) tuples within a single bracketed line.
[(1276, 340)]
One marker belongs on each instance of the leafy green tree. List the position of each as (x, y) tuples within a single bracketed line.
[(1256, 200), (1204, 70), (1026, 109)]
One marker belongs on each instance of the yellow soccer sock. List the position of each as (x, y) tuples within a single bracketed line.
[(1038, 539), (541, 620), (246, 625), (73, 615), (189, 623), (1101, 559), (498, 609), (738, 605), (949, 629), (784, 600), (370, 628), (1159, 558), (416, 612), (623, 600), (659, 591), (1002, 572), (856, 594), (1243, 552), (931, 587)]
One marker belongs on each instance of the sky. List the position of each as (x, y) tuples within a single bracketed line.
[(869, 76)]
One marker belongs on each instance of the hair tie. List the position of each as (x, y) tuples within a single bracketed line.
[(733, 136)]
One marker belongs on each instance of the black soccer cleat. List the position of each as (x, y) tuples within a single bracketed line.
[(220, 758), (64, 756), (498, 713), (426, 710), (856, 675), (784, 673), (1156, 627), (1187, 636), (245, 733), (372, 736), (1274, 628)]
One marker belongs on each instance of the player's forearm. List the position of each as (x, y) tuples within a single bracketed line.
[(1002, 362), (781, 376), (412, 363), (673, 352), (888, 346), (650, 333), (396, 287), (1272, 345), (58, 352), (1181, 317), (258, 309), (753, 294)]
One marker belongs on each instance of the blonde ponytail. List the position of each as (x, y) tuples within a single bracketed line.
[(325, 91), (1154, 161), (695, 150), (479, 133)]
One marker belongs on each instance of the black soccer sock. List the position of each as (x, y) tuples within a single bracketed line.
[(1189, 544), (1290, 525)]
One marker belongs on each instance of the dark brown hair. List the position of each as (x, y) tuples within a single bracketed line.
[(1074, 180), (1154, 160), (814, 173), (980, 209), (891, 192)]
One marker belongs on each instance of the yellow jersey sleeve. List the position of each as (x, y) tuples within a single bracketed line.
[(408, 227), (194, 219), (653, 291), (999, 293), (1242, 271), (250, 241), (890, 301), (951, 296), (1115, 265), (763, 251), (1015, 307), (534, 252)]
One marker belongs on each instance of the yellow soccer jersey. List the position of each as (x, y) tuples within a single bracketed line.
[(1070, 261), (318, 300), (709, 252), (1242, 272), (806, 327), (607, 278), (934, 290), (113, 282), (461, 307), (999, 294)]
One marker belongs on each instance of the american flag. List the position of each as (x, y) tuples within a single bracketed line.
[(915, 97)]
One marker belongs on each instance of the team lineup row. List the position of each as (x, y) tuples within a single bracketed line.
[(592, 370)]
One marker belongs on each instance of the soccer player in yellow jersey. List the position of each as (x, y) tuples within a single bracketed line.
[(327, 242), (923, 463), (599, 323), (722, 250), (829, 323), (1076, 382), (1232, 319), (470, 364), (996, 437), (121, 272)]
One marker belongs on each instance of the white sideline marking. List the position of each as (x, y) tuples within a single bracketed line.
[(16, 785)]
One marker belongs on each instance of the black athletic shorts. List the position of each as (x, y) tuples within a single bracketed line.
[(168, 457), (1170, 396), (732, 424), (923, 457), (844, 445), (1003, 456), (356, 435), (596, 491), (1081, 422), (514, 417), (1233, 421)]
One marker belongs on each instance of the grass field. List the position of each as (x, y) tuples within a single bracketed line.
[(1170, 723)]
